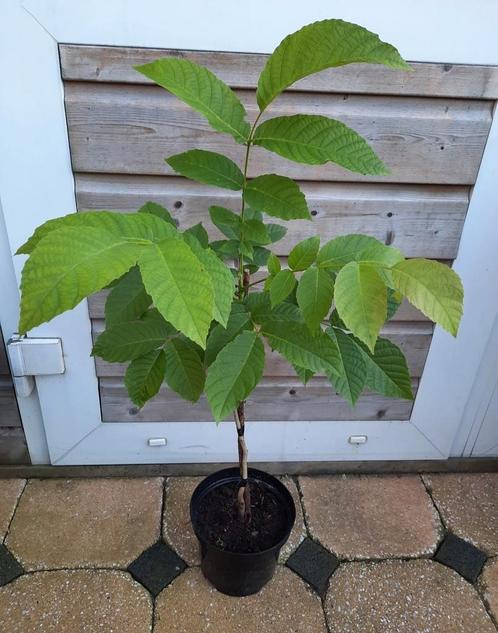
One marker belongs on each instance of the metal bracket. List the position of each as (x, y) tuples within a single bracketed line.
[(29, 357)]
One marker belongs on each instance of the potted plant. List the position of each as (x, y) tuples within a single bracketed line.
[(189, 312)]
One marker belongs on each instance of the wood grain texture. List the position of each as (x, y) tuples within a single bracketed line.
[(414, 340), (118, 128), (273, 399), (421, 220), (241, 70)]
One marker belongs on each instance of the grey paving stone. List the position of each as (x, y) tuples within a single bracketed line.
[(157, 567), (463, 557)]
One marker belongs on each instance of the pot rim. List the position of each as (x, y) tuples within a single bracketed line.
[(232, 473)]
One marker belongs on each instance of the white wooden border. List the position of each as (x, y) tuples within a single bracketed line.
[(36, 183)]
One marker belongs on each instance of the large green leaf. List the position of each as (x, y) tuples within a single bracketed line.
[(220, 336), (356, 248), (180, 287), (208, 167), (184, 369), (394, 300), (314, 139), (387, 371), (314, 294), (228, 222), (321, 45), (353, 369), (144, 376), (281, 286), (200, 233), (274, 265), (201, 90), (233, 375), (261, 310), (304, 374), (127, 225), (127, 300), (361, 301), (278, 196), (221, 279), (295, 342), (304, 253), (160, 212), (276, 232), (433, 288), (131, 339), (69, 264), (255, 231)]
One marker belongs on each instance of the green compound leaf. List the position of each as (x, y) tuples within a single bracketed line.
[(126, 225), (200, 233), (127, 300), (295, 342), (315, 292), (160, 212), (222, 279), (433, 288), (353, 370), (255, 231), (228, 222), (203, 91), (304, 253), (68, 265), (184, 370), (387, 371), (238, 368), (131, 339), (144, 376), (304, 374), (315, 140), (281, 286), (356, 248), (276, 232), (220, 336), (277, 196), (180, 287), (361, 301), (324, 44), (209, 168)]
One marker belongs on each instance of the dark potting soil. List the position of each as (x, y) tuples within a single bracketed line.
[(219, 522)]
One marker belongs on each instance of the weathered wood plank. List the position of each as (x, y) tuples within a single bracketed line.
[(414, 339), (273, 399), (421, 220), (13, 447), (9, 413), (116, 128), (241, 70)]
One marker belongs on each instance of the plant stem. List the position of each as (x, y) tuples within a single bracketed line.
[(244, 492)]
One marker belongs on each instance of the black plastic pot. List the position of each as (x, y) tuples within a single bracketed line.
[(241, 574)]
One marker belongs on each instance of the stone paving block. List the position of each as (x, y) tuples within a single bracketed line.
[(85, 522), (463, 557), (157, 567), (9, 567), (76, 601), (285, 605), (488, 584), (177, 529), (416, 596), (468, 503), (371, 516), (10, 491), (314, 564)]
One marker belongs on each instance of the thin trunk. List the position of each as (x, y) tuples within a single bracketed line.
[(244, 492)]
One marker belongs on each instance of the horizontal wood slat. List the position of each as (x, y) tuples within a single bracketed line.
[(9, 413), (115, 64), (273, 399), (118, 128), (421, 220), (413, 338)]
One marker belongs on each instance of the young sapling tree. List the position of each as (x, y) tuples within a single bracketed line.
[(188, 311)]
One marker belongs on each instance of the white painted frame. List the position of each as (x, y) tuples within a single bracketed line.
[(36, 183)]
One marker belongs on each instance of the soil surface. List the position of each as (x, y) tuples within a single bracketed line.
[(219, 522)]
